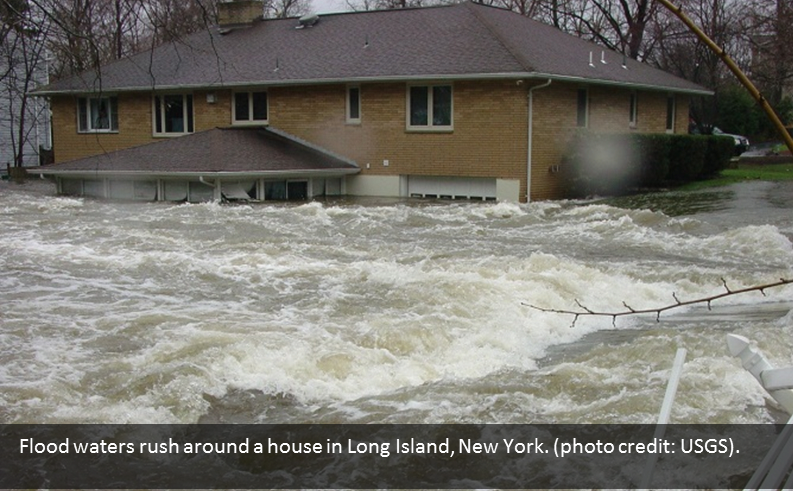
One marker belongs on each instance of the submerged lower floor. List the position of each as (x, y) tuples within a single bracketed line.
[(196, 189)]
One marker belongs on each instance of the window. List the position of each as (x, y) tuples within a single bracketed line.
[(250, 107), (285, 190), (633, 115), (670, 114), (173, 114), (353, 105), (582, 110), (97, 114), (430, 106)]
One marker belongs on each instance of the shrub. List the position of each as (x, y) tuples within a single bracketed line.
[(653, 158), (738, 112), (687, 157), (601, 164), (616, 164), (717, 158)]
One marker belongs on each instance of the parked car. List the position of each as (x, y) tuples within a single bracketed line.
[(741, 142)]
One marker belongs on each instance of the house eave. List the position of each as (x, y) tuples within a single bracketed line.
[(77, 174), (380, 79), (616, 83)]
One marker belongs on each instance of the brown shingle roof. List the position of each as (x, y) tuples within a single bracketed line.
[(458, 41), (220, 150)]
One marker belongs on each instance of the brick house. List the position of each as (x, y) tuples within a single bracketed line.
[(462, 101)]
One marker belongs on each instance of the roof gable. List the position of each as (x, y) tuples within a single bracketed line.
[(458, 41)]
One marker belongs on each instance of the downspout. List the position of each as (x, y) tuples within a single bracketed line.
[(530, 141), (216, 185)]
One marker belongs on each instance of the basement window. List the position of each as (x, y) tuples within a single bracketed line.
[(286, 190), (430, 107), (173, 114), (250, 107), (97, 114)]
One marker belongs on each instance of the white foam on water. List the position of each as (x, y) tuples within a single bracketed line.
[(138, 312)]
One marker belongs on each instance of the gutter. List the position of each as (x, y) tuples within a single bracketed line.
[(530, 141), (384, 79), (201, 176)]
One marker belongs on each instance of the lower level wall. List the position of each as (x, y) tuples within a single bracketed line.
[(435, 187), (201, 190)]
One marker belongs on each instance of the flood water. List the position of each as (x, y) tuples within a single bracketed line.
[(358, 311)]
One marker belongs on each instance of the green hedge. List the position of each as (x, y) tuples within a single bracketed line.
[(686, 157), (619, 163), (600, 164), (653, 158), (720, 152)]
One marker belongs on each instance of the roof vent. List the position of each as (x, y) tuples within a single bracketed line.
[(308, 20)]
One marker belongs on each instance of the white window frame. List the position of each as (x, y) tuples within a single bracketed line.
[(250, 120), (578, 92), (161, 116), (671, 107), (430, 126), (349, 102), (633, 108), (88, 121)]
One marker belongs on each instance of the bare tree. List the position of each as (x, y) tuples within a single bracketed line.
[(359, 5), (771, 38), (679, 51), (620, 25), (281, 9), (22, 68)]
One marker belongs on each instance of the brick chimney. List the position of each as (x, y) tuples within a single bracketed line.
[(236, 14)]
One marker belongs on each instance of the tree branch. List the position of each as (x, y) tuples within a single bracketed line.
[(586, 311)]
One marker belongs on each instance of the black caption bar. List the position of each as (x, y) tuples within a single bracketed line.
[(380, 456)]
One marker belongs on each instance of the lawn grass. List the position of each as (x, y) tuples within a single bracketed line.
[(745, 172)]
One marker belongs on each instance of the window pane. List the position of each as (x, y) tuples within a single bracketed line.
[(100, 117), (419, 102), (114, 113), (241, 107), (581, 119), (442, 105), (297, 191), (275, 190), (354, 98), (82, 114), (157, 114), (259, 106), (189, 100), (174, 114), (670, 113)]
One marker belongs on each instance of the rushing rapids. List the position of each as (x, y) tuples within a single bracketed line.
[(393, 312)]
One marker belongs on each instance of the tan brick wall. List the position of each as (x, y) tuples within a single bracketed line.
[(134, 123), (555, 116), (489, 137), (134, 128), (488, 140)]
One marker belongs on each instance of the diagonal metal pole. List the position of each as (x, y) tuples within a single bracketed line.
[(735, 70)]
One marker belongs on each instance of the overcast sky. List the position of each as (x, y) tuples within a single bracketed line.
[(328, 6)]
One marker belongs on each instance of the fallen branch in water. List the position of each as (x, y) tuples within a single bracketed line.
[(586, 311)]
